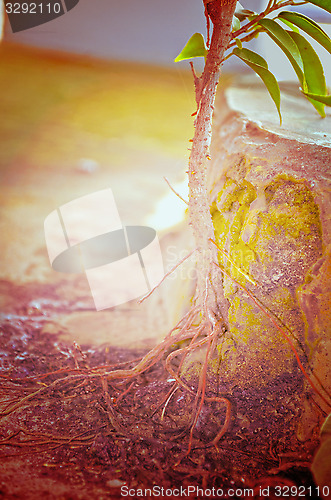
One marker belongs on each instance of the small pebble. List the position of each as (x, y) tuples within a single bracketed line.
[(87, 165)]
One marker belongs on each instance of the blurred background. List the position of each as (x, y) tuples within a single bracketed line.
[(150, 31)]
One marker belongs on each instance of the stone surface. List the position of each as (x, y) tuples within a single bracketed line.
[(271, 204)]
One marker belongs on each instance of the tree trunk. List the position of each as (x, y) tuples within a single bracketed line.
[(220, 12)]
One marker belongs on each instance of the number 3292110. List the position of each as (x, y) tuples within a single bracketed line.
[(33, 8)]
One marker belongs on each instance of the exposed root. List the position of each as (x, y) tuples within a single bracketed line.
[(167, 275), (189, 328), (172, 392), (37, 439), (174, 191), (196, 328)]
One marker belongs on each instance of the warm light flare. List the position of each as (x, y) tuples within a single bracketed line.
[(170, 210)]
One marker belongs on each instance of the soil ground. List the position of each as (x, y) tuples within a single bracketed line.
[(81, 437)]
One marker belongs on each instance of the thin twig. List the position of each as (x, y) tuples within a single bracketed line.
[(166, 276), (174, 191), (168, 400)]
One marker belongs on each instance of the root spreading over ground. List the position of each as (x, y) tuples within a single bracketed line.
[(139, 414)]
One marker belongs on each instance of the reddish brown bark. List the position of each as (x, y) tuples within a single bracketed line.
[(220, 12)]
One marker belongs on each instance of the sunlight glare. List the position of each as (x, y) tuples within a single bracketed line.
[(170, 210)]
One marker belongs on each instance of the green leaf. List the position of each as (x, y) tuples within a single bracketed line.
[(249, 56), (309, 26), (289, 25), (260, 66), (325, 99), (195, 47), (287, 44), (324, 4), (238, 43), (313, 71), (241, 13), (235, 24)]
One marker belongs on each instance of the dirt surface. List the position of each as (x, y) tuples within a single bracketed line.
[(77, 435)]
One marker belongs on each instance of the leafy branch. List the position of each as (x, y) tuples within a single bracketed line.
[(292, 41)]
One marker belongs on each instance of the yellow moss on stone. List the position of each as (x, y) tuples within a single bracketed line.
[(221, 225), (291, 215), (298, 214), (290, 219), (234, 197), (265, 230), (248, 317)]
